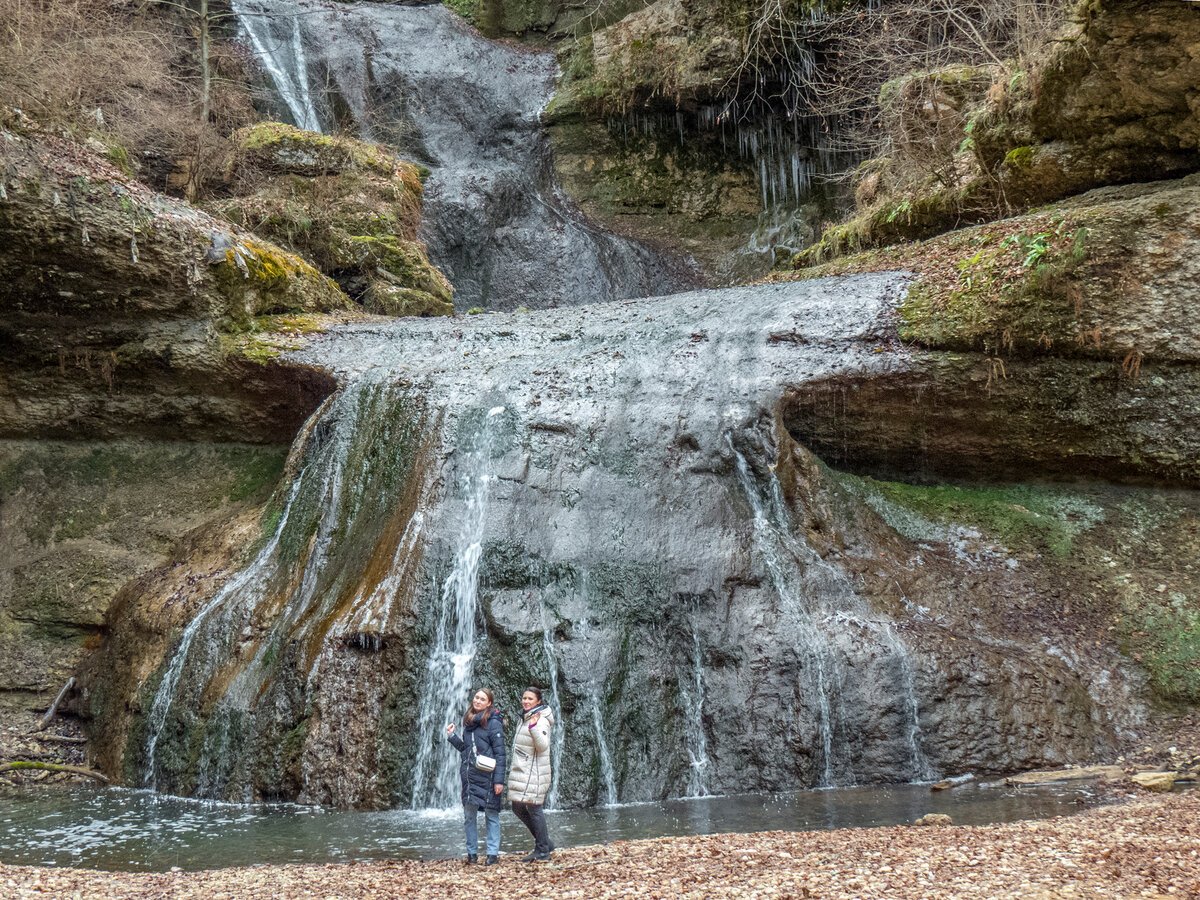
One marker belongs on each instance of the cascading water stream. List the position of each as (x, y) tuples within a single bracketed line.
[(450, 667), (558, 733), (607, 776), (469, 109), (770, 542), (595, 710), (921, 768), (249, 580), (832, 594), (693, 707), (277, 40)]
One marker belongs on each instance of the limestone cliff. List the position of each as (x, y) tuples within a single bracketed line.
[(125, 314), (120, 305)]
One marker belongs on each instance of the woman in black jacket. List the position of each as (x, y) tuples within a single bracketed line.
[(483, 736)]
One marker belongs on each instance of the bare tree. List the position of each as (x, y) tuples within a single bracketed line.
[(805, 60)]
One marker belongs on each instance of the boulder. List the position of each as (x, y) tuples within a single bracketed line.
[(350, 207), (936, 820), (1158, 782)]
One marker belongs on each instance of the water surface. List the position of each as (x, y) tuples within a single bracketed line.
[(121, 829)]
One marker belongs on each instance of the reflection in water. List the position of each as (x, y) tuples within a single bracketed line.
[(138, 830)]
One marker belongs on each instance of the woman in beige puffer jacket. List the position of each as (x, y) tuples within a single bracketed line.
[(530, 777)]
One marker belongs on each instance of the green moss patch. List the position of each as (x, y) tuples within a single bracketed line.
[(1021, 517), (349, 207), (285, 148), (1006, 288), (1165, 638)]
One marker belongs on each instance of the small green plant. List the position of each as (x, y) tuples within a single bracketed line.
[(467, 9), (475, 310), (903, 208), (1034, 247)]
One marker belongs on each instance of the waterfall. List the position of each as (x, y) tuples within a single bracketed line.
[(595, 706), (921, 768), (692, 697), (468, 108), (450, 667), (249, 581), (278, 42), (558, 735), (601, 496), (770, 538), (607, 776), (831, 600), (300, 599)]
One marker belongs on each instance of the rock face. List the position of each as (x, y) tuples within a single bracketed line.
[(660, 131), (710, 608), (1067, 331), (350, 207), (80, 519), (125, 314), (1108, 102), (115, 302)]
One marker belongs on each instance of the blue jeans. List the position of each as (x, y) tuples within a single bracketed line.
[(471, 827)]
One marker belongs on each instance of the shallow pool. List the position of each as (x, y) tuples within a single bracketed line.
[(117, 828)]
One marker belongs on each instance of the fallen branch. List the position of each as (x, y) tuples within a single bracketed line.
[(50, 713), (23, 766), (59, 739)]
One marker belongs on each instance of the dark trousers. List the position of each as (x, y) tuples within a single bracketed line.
[(535, 820)]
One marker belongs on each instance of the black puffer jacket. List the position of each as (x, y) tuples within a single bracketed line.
[(489, 741)]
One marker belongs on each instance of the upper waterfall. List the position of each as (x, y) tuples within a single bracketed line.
[(421, 80)]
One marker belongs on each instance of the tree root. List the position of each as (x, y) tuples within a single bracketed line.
[(24, 765)]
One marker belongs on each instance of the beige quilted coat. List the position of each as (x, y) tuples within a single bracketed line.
[(529, 777)]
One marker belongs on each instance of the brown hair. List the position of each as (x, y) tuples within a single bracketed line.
[(486, 714)]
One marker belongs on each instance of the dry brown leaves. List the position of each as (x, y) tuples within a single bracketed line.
[(1146, 848)]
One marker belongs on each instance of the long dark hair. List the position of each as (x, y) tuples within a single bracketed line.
[(486, 714)]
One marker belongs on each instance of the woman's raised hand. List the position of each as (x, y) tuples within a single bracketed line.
[(450, 728)]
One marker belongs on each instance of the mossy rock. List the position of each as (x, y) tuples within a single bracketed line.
[(1105, 103), (259, 278), (402, 263), (390, 300), (351, 208), (283, 149)]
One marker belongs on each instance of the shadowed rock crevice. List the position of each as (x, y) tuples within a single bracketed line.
[(967, 416)]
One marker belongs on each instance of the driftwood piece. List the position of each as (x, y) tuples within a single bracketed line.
[(53, 710), (26, 765)]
